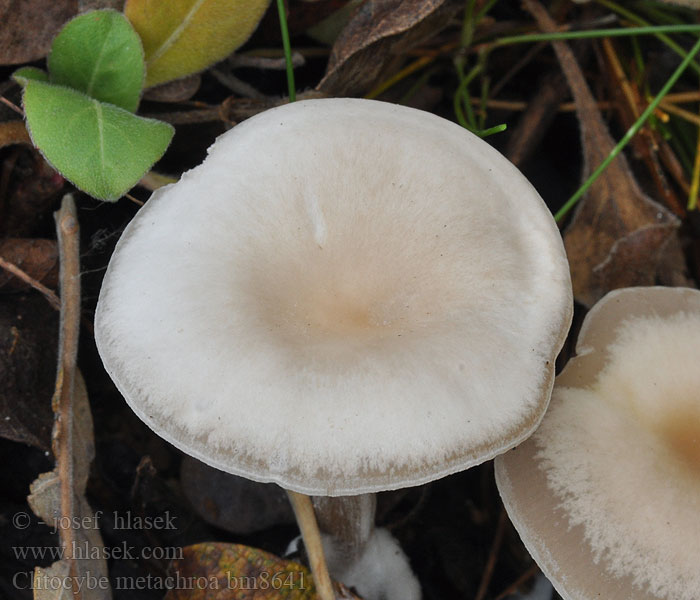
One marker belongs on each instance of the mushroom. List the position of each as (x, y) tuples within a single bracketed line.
[(606, 494), (347, 296)]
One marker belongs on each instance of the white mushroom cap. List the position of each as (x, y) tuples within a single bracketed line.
[(606, 493), (347, 296)]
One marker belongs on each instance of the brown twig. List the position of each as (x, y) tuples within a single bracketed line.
[(238, 61), (134, 200), (513, 587), (40, 287), (237, 86), (68, 244), (11, 105), (493, 555)]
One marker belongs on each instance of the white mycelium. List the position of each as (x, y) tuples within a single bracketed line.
[(346, 296), (620, 454)]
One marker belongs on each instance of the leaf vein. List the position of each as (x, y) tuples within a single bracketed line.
[(177, 32), (97, 63)]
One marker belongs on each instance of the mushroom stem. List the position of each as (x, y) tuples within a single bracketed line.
[(304, 512), (349, 520)]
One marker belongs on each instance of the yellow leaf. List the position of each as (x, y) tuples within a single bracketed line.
[(218, 571), (181, 37)]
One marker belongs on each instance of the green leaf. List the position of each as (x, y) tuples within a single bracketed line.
[(102, 149), (100, 54), (24, 74), (182, 37)]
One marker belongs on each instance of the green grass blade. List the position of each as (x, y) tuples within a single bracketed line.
[(631, 132), (287, 50)]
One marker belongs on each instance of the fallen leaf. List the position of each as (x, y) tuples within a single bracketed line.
[(235, 109), (233, 503), (378, 32), (175, 91), (217, 571), (36, 257), (33, 190), (304, 15), (88, 548), (45, 501), (29, 26), (186, 36), (101, 148), (57, 572), (28, 339), (44, 498), (100, 54), (236, 572), (618, 235), (13, 132)]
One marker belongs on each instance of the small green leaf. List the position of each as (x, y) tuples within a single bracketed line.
[(100, 54), (187, 36), (102, 149), (25, 74)]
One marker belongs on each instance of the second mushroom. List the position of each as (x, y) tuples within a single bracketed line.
[(606, 493)]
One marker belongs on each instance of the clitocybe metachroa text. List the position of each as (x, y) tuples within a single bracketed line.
[(606, 493), (347, 296)]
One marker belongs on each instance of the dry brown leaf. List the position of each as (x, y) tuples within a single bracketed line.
[(14, 132), (29, 26), (308, 13), (178, 90), (33, 188), (38, 258), (28, 339), (618, 235), (378, 33), (45, 500), (233, 503), (58, 571), (235, 572), (235, 109)]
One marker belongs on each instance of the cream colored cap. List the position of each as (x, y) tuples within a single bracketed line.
[(606, 493), (347, 296)]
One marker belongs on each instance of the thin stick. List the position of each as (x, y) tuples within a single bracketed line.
[(513, 587), (304, 512), (11, 105), (134, 200), (493, 555), (68, 244), (680, 112), (29, 280)]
